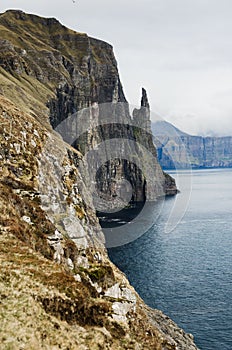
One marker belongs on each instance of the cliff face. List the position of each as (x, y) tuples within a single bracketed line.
[(176, 149), (59, 73), (58, 288), (58, 63)]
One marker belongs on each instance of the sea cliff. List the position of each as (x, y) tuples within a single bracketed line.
[(58, 287), (177, 149)]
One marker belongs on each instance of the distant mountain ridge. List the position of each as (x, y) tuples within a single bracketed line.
[(179, 150), (164, 128)]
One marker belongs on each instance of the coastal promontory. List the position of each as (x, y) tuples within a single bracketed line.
[(58, 288)]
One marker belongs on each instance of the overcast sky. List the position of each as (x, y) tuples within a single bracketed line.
[(179, 50)]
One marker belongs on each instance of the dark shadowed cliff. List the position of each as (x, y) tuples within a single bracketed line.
[(58, 288)]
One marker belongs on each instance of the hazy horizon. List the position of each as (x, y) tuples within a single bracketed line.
[(178, 50)]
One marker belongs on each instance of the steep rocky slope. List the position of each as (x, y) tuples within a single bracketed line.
[(180, 150), (58, 288), (53, 71)]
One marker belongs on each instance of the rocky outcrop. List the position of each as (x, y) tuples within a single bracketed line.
[(71, 72), (57, 283), (178, 150), (58, 288)]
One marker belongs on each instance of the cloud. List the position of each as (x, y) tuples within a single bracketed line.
[(179, 50)]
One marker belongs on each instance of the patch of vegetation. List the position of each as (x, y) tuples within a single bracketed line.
[(13, 208)]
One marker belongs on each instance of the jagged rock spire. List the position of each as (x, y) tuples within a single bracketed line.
[(142, 116), (144, 99)]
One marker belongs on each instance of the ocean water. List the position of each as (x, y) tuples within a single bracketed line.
[(187, 272)]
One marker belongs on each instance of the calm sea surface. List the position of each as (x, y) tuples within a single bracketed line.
[(187, 273)]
